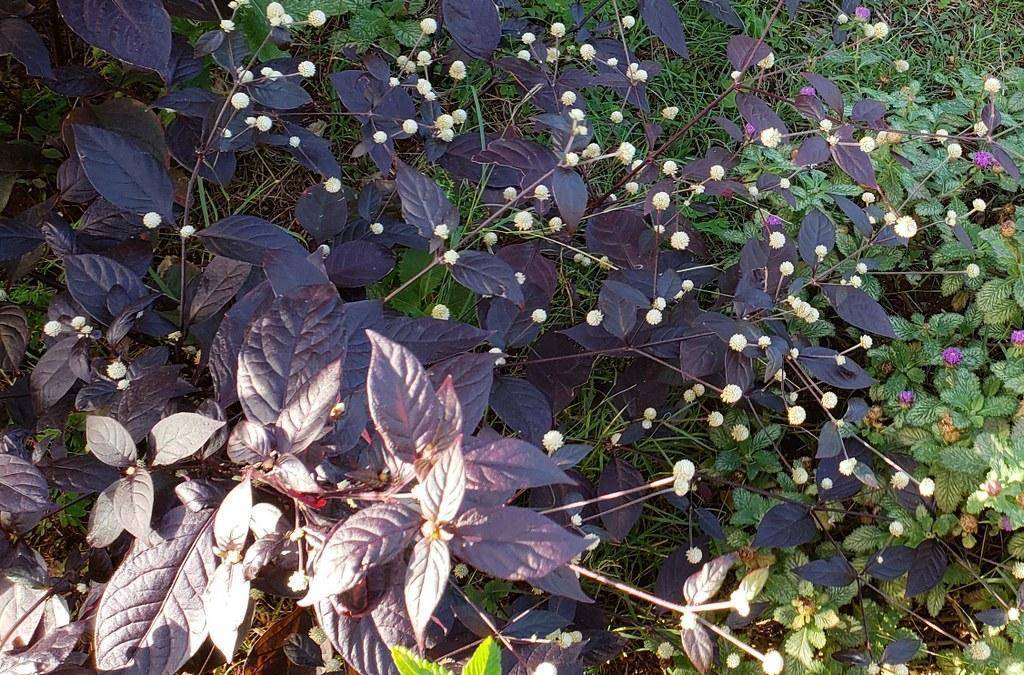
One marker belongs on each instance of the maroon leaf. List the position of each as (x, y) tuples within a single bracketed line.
[(137, 32), (859, 309), (513, 543), (832, 572), (812, 151), (570, 195), (371, 537), (423, 203), (13, 337), (473, 25), (442, 490), (663, 20), (305, 414), (20, 40), (926, 568), (221, 281), (785, 525), (851, 159), (425, 581), (619, 514), (744, 50), (487, 275), (509, 464), (815, 230), (700, 647), (123, 172), (133, 502), (827, 90), (248, 238), (22, 488)]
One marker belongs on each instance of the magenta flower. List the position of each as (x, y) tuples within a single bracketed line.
[(749, 129), (906, 398), (862, 13), (773, 220), (984, 159), (808, 91), (1005, 524), (1017, 338), (952, 356)]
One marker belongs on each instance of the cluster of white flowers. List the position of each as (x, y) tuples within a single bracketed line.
[(803, 309)]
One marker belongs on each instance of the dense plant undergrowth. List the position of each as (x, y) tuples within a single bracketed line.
[(316, 311)]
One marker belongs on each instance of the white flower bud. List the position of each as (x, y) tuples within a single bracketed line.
[(240, 101)]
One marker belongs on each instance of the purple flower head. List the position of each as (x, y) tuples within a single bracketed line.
[(773, 220), (906, 398), (808, 91), (984, 159), (1005, 524), (952, 356), (1017, 338), (862, 13), (749, 129)]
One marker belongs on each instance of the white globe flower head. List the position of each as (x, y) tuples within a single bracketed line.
[(732, 662), (717, 172), (972, 271), (785, 183), (867, 144), (541, 193), (307, 69), (694, 555), (829, 400), (523, 221), (122, 384), (152, 220), (660, 201), (847, 466), (423, 58), (670, 112), (901, 65), (545, 668), (739, 432), (240, 101), (380, 137), (926, 487), (626, 152), (866, 341), (900, 479), (980, 128), (881, 30), (377, 228), (332, 185), (632, 187), (187, 231), (771, 137), (737, 342), (634, 73), (116, 369), (820, 251), (905, 227), (316, 18), (992, 85), (552, 440), (457, 71), (227, 25), (954, 151), (441, 231), (595, 317), (587, 52), (978, 205), (490, 239), (825, 125), (653, 317), (679, 240), (896, 528), (558, 29), (715, 419), (568, 97), (428, 26), (275, 10), (731, 393), (796, 415), (78, 322), (264, 123), (669, 167), (450, 257), (684, 469), (523, 55), (980, 651), (294, 141), (786, 268), (538, 316), (52, 328), (776, 240), (628, 21), (799, 475), (410, 126), (571, 159), (666, 650), (772, 663)]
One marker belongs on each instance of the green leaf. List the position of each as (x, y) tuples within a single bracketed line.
[(408, 663), (486, 660)]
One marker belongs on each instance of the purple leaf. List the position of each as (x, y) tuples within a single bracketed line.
[(247, 238), (509, 464), (57, 371), (827, 90), (322, 214), (279, 94), (927, 568), (700, 647), (513, 543), (521, 406), (442, 490), (855, 214), (22, 488), (744, 50), (619, 514), (109, 441), (231, 524), (402, 401), (723, 11), (133, 502), (890, 563), (474, 26), (703, 584), (785, 525), (297, 336), (859, 309), (663, 20), (220, 282), (13, 337), (821, 363), (472, 375), (423, 203), (150, 618), (570, 195), (93, 280), (487, 274), (812, 151), (815, 230), (1005, 161), (425, 581), (305, 414), (373, 536), (901, 651), (833, 572), (180, 435), (866, 110), (20, 40), (619, 303), (851, 159), (137, 32), (123, 172)]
